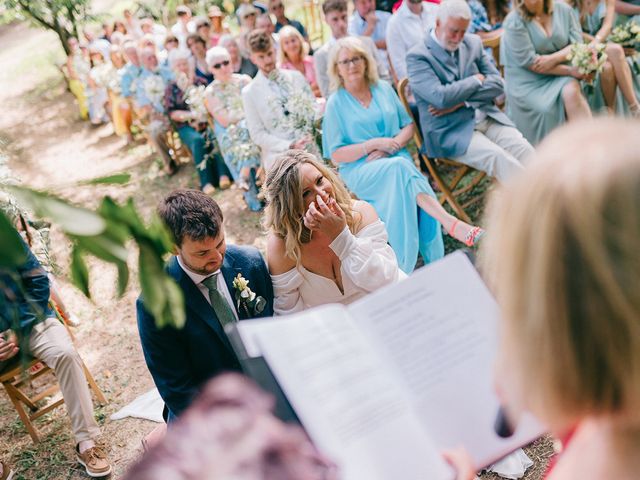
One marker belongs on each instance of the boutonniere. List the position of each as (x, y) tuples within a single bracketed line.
[(247, 300)]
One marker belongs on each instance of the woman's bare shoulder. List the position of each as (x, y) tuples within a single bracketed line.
[(277, 259)]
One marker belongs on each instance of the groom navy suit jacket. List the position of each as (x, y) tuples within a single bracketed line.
[(181, 360)]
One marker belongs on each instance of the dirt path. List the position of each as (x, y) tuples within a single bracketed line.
[(48, 146)]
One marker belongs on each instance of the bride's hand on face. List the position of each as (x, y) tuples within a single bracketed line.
[(327, 217)]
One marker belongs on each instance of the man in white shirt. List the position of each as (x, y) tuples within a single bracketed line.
[(204, 269), (184, 26), (335, 15), (366, 21), (278, 104), (405, 29)]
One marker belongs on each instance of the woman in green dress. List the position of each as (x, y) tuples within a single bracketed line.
[(597, 18), (542, 90)]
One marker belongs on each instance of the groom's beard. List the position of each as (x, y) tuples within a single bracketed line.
[(207, 269)]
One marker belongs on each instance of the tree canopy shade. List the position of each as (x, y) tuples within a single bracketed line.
[(64, 17)]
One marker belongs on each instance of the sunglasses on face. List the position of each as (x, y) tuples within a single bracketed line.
[(216, 66), (355, 61)]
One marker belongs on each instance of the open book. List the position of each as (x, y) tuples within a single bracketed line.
[(384, 385)]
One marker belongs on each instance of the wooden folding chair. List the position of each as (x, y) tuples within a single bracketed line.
[(448, 188), (27, 399), (494, 44)]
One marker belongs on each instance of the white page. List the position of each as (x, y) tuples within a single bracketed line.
[(345, 397), (438, 330)]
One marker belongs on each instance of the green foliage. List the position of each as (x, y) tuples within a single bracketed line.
[(116, 179), (10, 244), (105, 234)]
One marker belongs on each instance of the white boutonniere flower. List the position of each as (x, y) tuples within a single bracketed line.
[(247, 300)]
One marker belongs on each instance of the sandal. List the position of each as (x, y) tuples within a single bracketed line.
[(474, 235)]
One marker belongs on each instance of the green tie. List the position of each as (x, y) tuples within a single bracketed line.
[(218, 302)]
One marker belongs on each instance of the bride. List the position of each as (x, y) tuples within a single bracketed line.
[(322, 246)]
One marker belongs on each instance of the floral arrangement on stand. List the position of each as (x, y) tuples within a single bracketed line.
[(589, 58)]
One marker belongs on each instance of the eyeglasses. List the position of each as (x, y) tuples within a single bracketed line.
[(216, 66), (355, 61)]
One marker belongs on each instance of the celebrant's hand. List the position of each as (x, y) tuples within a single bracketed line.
[(9, 347), (326, 217), (460, 460)]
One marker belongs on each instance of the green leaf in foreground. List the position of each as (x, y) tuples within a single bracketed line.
[(11, 245), (79, 271), (115, 179)]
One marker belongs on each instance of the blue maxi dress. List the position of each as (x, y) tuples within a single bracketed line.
[(390, 184)]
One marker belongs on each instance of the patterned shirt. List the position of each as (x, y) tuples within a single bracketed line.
[(151, 86), (174, 98)]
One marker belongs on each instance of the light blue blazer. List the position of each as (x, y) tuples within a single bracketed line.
[(437, 80)]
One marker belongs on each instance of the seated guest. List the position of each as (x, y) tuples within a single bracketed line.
[(480, 23), (455, 84), (203, 29), (276, 8), (278, 104), (364, 131), (366, 21), (247, 15), (264, 22), (294, 55), (218, 28), (150, 87), (224, 103), (184, 25), (198, 49), (335, 15), (193, 130), (239, 62), (159, 32), (170, 43), (131, 24), (181, 360), (570, 290), (119, 26), (406, 28), (78, 67), (596, 20), (323, 246), (211, 441), (97, 95), (128, 77), (30, 327), (628, 10), (120, 115), (543, 91)]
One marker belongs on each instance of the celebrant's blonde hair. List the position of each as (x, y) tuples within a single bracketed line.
[(285, 205), (562, 256)]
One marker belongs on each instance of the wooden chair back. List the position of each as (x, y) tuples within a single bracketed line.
[(494, 44), (449, 191)]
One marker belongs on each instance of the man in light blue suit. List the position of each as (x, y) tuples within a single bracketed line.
[(455, 84)]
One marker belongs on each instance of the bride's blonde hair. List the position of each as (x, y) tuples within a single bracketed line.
[(285, 205)]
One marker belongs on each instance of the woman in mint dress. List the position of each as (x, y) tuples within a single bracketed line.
[(597, 18), (542, 90), (224, 102), (364, 131)]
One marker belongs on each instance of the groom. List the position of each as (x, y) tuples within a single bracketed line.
[(182, 360)]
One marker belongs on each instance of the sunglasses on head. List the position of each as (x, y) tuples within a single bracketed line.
[(218, 65)]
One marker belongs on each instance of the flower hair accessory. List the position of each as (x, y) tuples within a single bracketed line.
[(247, 300)]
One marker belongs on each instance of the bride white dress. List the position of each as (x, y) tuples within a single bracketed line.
[(367, 263)]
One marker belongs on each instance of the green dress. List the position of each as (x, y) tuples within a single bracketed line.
[(591, 24), (534, 100)]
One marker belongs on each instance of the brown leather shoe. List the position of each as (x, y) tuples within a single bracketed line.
[(94, 461), (7, 473)]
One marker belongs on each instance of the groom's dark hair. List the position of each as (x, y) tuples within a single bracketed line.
[(190, 213)]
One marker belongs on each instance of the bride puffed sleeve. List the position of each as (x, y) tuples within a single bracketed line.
[(286, 292), (367, 259)]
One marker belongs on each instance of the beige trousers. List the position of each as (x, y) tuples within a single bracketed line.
[(496, 149), (51, 343)]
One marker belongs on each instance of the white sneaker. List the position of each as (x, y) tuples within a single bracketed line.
[(73, 320)]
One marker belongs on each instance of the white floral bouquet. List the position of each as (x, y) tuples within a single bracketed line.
[(194, 96), (240, 146), (154, 89), (588, 58), (627, 35)]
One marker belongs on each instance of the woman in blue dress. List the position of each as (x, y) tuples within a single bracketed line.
[(224, 102), (364, 132)]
